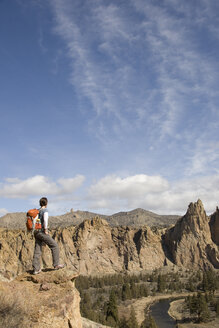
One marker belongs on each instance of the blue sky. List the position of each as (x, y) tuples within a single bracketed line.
[(109, 105)]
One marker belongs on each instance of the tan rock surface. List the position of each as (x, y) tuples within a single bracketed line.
[(95, 248), (55, 306), (189, 242)]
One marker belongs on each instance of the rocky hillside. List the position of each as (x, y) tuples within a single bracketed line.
[(95, 248), (136, 218), (140, 217)]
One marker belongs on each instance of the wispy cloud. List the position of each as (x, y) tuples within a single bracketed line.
[(100, 70), (143, 72), (112, 50), (184, 72), (204, 158), (41, 40)]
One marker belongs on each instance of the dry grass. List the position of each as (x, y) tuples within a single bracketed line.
[(13, 310)]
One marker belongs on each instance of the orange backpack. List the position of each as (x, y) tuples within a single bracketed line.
[(32, 220)]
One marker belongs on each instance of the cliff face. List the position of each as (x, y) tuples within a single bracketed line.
[(138, 249), (46, 300), (189, 242), (214, 226), (95, 248)]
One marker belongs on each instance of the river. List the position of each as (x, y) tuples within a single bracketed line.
[(159, 312)]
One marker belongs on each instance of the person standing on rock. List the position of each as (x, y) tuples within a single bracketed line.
[(42, 236)]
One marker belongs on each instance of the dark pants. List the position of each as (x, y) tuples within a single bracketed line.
[(40, 238)]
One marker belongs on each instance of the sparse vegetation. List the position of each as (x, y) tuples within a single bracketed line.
[(100, 296), (210, 281), (132, 322), (149, 322), (13, 312)]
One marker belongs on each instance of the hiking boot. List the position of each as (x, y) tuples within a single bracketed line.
[(36, 272), (59, 266)]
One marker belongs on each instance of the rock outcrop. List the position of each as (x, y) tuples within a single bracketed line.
[(138, 249), (49, 299), (95, 248), (100, 249), (214, 226), (189, 242)]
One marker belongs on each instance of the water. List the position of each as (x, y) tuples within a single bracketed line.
[(159, 312)]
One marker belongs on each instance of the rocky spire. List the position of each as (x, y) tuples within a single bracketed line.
[(189, 242)]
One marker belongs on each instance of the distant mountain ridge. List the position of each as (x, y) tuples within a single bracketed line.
[(140, 217), (136, 218)]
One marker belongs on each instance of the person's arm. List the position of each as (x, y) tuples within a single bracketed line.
[(45, 220)]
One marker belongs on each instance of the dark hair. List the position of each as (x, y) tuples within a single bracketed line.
[(43, 201)]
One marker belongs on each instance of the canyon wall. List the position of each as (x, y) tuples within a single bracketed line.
[(95, 248)]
